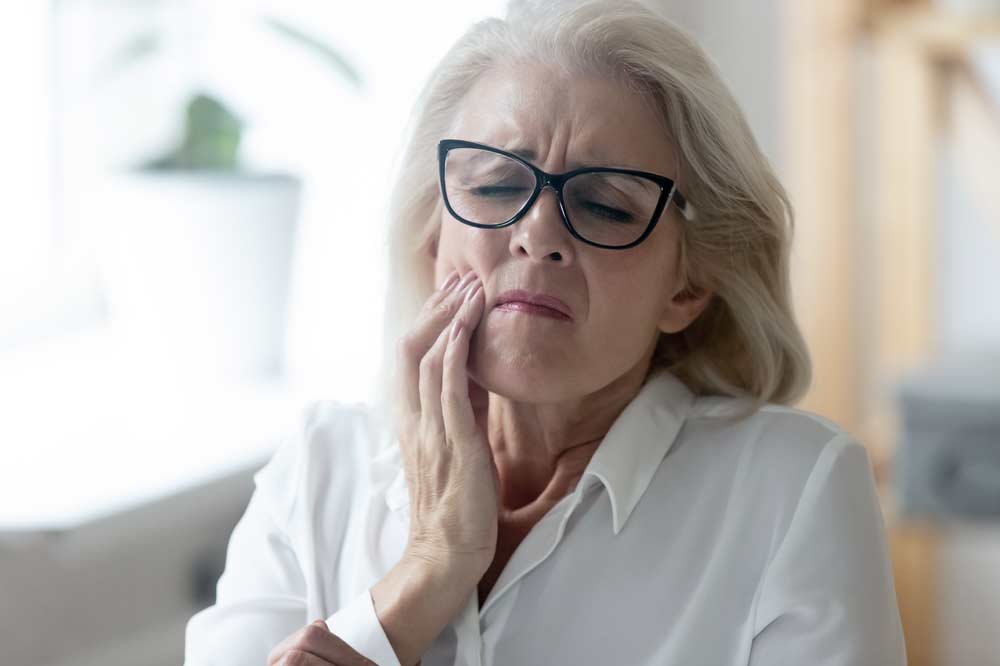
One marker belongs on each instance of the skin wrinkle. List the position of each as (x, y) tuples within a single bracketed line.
[(555, 388)]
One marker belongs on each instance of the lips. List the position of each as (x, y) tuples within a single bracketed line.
[(533, 302)]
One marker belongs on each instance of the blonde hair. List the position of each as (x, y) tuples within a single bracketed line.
[(746, 342)]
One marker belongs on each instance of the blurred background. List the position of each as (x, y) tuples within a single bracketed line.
[(195, 196)]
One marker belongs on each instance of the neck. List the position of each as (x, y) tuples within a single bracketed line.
[(542, 450)]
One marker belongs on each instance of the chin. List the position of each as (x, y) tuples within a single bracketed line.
[(523, 376)]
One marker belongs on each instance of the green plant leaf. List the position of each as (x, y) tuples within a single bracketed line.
[(211, 139), (135, 50), (318, 47)]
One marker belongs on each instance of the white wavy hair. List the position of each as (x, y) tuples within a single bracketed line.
[(746, 342)]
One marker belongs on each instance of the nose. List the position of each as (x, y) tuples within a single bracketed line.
[(540, 233)]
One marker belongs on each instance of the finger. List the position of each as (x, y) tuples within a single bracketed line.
[(456, 406), (290, 642), (413, 345), (318, 645), (295, 657), (279, 650), (435, 315), (430, 380), (431, 367)]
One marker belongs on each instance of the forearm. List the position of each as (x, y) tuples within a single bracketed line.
[(415, 601)]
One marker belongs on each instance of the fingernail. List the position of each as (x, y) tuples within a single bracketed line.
[(448, 281), (472, 292), (466, 280), (467, 287)]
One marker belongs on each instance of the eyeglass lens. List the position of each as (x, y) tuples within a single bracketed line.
[(607, 208)]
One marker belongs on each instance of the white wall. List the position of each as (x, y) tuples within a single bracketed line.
[(743, 37), (968, 238)]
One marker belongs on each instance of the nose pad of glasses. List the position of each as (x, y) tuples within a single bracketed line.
[(552, 187), (539, 202)]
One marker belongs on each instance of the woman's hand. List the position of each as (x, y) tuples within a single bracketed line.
[(315, 645), (452, 478)]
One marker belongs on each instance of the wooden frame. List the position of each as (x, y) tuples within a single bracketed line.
[(864, 271)]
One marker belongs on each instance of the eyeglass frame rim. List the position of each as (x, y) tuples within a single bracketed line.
[(668, 191)]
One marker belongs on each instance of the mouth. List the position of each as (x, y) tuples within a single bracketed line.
[(539, 304)]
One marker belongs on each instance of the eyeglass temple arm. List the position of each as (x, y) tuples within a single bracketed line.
[(679, 199)]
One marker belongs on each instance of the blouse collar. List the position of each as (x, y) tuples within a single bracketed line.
[(627, 457)]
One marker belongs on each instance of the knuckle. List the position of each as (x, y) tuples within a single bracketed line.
[(295, 657), (442, 308), (440, 434), (432, 432), (407, 346), (435, 297), (313, 634), (430, 363)]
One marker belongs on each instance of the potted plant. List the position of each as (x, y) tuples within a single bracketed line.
[(195, 251)]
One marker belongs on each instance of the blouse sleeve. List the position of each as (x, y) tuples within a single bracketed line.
[(357, 625), (827, 597), (262, 595)]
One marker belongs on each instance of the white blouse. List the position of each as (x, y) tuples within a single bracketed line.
[(691, 539)]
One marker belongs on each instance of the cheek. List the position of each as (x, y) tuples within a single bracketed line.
[(449, 251), (464, 247), (624, 315), (627, 301)]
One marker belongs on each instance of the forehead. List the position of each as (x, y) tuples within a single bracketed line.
[(540, 114)]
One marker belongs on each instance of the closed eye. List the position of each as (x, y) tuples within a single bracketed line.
[(497, 191), (611, 213)]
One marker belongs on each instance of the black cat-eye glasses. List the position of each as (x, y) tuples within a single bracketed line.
[(606, 207)]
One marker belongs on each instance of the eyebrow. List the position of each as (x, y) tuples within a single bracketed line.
[(522, 151)]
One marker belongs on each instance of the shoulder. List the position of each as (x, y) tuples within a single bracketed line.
[(343, 431), (327, 444), (775, 457), (786, 439)]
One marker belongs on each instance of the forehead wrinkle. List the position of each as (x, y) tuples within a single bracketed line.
[(504, 120), (512, 140), (593, 157)]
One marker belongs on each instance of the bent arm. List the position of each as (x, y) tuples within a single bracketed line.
[(260, 596)]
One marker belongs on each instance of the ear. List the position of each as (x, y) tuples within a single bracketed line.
[(682, 308)]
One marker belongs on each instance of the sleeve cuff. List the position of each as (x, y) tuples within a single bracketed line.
[(357, 625)]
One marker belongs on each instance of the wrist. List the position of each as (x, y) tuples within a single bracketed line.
[(416, 599), (443, 567)]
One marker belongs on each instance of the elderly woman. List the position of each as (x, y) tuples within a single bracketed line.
[(585, 456)]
